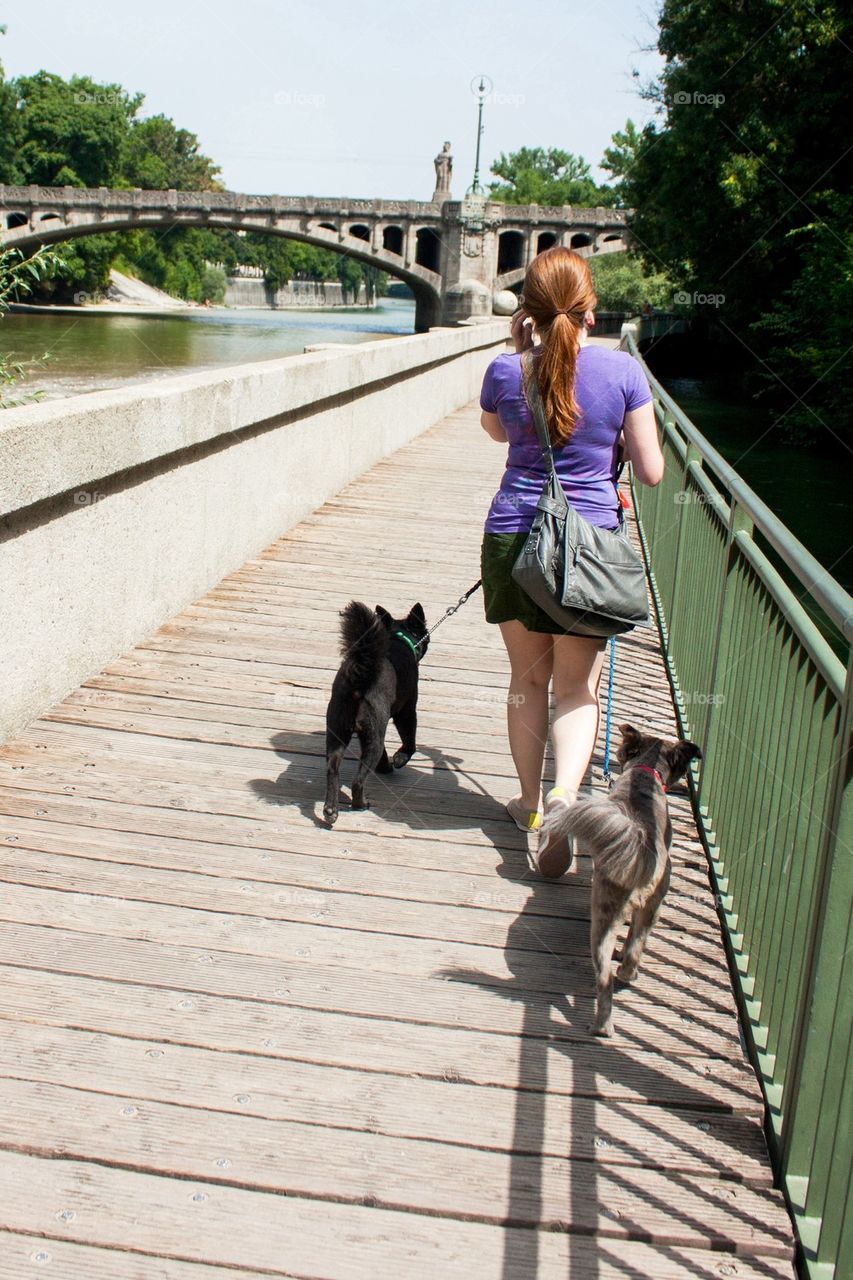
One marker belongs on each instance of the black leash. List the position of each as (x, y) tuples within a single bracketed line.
[(447, 613)]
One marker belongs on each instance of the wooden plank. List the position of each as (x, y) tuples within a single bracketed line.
[(565, 898), (218, 778), (344, 1166), (372, 841), (202, 1223), (560, 934), (22, 1255), (496, 1119), (728, 1083), (639, 1066), (697, 1027)]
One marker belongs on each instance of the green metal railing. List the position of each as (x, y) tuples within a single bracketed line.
[(768, 700)]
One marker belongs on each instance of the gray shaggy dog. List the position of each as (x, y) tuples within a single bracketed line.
[(628, 835)]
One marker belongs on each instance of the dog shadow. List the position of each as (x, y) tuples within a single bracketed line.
[(433, 792)]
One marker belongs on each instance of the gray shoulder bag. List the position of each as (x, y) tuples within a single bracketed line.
[(590, 580)]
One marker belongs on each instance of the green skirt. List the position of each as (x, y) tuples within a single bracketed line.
[(503, 598)]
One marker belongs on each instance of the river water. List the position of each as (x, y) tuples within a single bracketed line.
[(803, 485), (69, 354)]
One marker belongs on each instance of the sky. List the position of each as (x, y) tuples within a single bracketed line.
[(342, 98)]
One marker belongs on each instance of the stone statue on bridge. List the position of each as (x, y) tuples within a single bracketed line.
[(443, 170)]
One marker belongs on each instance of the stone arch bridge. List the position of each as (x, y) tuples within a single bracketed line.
[(458, 257)]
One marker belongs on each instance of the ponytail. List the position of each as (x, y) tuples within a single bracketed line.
[(558, 292)]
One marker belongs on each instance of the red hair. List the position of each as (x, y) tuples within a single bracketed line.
[(558, 292)]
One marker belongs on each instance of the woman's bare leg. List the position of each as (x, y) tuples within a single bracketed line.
[(530, 658), (578, 663)]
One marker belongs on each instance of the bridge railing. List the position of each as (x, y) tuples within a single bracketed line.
[(744, 612)]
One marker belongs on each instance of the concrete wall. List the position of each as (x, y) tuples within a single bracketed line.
[(120, 507), (240, 292)]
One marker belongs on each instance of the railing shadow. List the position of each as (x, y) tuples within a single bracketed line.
[(556, 1023)]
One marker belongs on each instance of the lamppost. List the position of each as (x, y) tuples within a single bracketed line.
[(474, 203), (481, 91)]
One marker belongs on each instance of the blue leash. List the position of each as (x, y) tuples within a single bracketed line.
[(606, 771)]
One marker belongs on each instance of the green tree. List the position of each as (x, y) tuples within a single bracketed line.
[(547, 176), (351, 276), (159, 156), (623, 283), (620, 157), (19, 275), (9, 128), (213, 284), (72, 133), (735, 187)]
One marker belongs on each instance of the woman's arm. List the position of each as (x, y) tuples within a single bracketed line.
[(642, 449), (491, 424)]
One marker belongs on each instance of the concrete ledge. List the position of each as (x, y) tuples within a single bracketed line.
[(46, 449), (121, 507)]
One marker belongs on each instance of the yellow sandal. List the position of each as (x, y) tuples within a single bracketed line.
[(524, 819)]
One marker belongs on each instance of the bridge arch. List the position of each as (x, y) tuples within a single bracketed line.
[(511, 250), (393, 239), (422, 278), (428, 251)]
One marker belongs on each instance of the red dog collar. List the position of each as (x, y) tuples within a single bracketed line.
[(647, 768)]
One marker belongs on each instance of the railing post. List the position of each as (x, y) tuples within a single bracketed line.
[(692, 454), (818, 1118), (739, 522)]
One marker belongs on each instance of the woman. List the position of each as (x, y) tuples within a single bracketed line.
[(595, 399)]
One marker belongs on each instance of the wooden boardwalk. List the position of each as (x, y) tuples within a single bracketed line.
[(238, 1044)]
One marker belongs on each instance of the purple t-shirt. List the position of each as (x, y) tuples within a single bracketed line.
[(608, 384)]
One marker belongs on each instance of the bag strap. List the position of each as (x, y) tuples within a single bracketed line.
[(534, 399)]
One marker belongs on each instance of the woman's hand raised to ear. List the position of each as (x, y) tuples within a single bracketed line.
[(521, 332)]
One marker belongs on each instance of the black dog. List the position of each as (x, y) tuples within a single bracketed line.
[(377, 681)]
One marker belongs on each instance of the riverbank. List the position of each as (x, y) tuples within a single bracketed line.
[(128, 296)]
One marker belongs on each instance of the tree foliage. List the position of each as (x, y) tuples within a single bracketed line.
[(624, 283), (547, 176), (741, 187), (20, 274)]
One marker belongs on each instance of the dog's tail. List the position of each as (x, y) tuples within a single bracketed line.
[(364, 643), (616, 842)]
